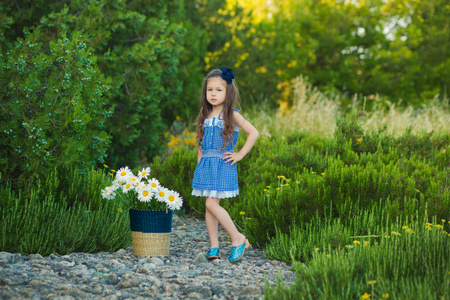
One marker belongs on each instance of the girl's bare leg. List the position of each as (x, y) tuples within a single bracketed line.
[(216, 213), (212, 225)]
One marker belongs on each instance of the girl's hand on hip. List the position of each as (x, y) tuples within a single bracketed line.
[(234, 157)]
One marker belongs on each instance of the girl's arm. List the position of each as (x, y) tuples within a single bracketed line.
[(253, 135), (199, 153)]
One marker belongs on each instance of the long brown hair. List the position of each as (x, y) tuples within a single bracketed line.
[(231, 100)]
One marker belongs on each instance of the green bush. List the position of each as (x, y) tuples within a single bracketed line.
[(54, 107), (314, 179), (396, 260), (58, 218)]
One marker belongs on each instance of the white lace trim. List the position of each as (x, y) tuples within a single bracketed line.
[(218, 122), (215, 194)]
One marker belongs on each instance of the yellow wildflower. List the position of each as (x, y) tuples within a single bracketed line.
[(365, 296), (277, 188), (106, 166), (359, 140), (356, 242), (366, 243), (438, 226), (265, 190), (386, 295), (242, 213), (396, 233), (428, 224), (409, 231), (372, 282), (405, 227), (443, 220), (313, 173), (323, 174)]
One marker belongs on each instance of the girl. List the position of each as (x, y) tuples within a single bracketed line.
[(215, 176)]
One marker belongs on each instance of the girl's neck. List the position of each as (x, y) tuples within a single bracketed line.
[(216, 111)]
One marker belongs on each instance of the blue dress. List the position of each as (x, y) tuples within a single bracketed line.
[(213, 177)]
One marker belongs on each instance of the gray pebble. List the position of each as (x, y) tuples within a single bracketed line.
[(184, 274)]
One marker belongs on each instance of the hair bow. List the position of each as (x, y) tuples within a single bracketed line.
[(227, 74)]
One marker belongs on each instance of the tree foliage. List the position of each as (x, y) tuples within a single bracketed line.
[(54, 108)]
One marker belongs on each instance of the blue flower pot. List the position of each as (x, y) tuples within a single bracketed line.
[(150, 231)]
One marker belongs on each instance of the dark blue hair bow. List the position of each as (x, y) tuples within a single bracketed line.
[(227, 74)]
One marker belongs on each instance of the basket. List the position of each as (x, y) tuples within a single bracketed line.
[(150, 231)]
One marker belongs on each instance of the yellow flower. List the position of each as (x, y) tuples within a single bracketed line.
[(359, 140), (242, 213), (396, 233), (428, 224), (409, 231), (313, 173), (265, 190), (385, 295), (372, 282), (281, 177), (249, 218), (356, 242), (438, 226), (278, 188), (365, 296), (268, 186), (105, 166), (405, 227), (366, 243), (287, 184), (316, 249), (323, 174), (443, 220)]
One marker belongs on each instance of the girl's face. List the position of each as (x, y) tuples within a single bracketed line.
[(216, 91)]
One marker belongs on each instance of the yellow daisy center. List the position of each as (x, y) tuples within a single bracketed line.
[(161, 194), (154, 184), (128, 186), (171, 197), (144, 173), (123, 173), (145, 193)]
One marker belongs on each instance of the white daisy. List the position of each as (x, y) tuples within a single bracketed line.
[(144, 173), (108, 193), (174, 200), (127, 186), (135, 181), (118, 183), (145, 194), (162, 194), (154, 184), (123, 174)]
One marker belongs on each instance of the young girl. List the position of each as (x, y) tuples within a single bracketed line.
[(215, 176)]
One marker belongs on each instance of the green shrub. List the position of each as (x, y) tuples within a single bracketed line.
[(64, 214), (54, 107), (395, 261), (47, 226)]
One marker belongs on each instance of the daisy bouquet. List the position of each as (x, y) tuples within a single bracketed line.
[(141, 191)]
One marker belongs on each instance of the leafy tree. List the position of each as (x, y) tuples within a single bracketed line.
[(53, 110), (138, 46)]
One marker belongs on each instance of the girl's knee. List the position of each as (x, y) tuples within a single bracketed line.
[(211, 203)]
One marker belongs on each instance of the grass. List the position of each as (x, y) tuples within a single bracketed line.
[(316, 112)]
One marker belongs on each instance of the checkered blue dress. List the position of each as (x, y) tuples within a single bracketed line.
[(213, 177)]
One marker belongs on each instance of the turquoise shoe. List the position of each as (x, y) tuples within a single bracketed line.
[(213, 253), (238, 251)]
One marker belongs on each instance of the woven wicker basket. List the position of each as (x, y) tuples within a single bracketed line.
[(150, 232)]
